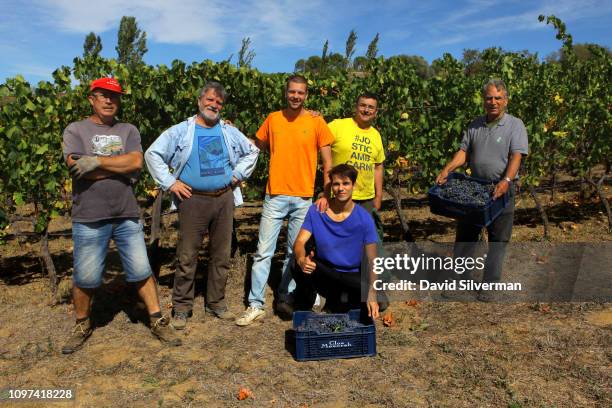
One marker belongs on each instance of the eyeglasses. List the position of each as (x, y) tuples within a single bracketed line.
[(110, 95)]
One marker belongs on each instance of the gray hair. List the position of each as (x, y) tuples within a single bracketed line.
[(497, 83), (215, 86)]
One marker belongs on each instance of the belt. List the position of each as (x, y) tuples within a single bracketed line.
[(215, 193)]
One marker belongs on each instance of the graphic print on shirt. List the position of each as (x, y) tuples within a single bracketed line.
[(106, 145), (210, 152), (361, 153)]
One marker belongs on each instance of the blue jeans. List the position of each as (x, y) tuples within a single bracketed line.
[(275, 209), (91, 241)]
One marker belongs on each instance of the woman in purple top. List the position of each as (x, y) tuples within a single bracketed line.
[(341, 235)]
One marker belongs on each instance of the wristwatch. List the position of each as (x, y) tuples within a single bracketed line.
[(508, 179)]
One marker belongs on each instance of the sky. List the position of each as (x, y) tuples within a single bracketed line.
[(38, 36)]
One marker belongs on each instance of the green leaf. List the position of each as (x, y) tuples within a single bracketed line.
[(30, 106), (42, 149), (18, 198)]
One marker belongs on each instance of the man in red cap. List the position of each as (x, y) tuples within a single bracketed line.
[(105, 159)]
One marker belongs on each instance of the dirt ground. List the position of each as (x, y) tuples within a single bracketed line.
[(438, 354)]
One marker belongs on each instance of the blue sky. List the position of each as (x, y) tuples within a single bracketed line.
[(38, 36)]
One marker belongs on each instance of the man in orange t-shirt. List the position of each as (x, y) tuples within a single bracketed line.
[(293, 137)]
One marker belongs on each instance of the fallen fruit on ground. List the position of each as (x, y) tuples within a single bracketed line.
[(244, 393)]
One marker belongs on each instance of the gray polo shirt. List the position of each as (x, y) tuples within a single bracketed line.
[(488, 149)]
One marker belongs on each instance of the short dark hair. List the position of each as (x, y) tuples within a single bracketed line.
[(297, 79), (344, 170), (367, 95), (215, 86)]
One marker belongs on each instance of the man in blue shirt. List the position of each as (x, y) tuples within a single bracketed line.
[(341, 235), (202, 162)]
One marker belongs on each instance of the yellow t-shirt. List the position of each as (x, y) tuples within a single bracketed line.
[(294, 147), (361, 148)]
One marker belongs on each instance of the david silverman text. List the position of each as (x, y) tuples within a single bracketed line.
[(446, 285)]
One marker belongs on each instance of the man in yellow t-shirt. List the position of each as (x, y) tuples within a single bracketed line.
[(293, 137), (358, 143)]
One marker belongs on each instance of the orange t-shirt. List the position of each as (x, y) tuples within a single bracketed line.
[(294, 147)]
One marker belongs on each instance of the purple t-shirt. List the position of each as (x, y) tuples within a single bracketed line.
[(341, 244), (112, 197)]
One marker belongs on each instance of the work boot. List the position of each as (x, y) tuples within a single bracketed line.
[(80, 332), (223, 314), (164, 332), (179, 320), (284, 310)]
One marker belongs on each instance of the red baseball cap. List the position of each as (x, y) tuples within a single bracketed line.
[(106, 83)]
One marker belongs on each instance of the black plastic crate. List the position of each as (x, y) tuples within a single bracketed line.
[(480, 216), (354, 342)]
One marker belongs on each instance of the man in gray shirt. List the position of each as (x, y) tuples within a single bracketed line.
[(493, 147), (105, 158)]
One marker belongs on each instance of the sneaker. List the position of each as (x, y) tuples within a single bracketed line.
[(250, 315), (318, 304), (164, 332), (80, 333), (179, 320), (220, 314), (284, 310)]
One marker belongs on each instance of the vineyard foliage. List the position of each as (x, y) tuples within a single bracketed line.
[(566, 107)]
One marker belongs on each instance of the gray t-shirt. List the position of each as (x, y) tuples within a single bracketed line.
[(112, 197), (488, 149)]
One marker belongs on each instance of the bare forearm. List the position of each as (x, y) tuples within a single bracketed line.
[(99, 174), (299, 250), (326, 161), (378, 184), (371, 254), (122, 164), (513, 166), (458, 160)]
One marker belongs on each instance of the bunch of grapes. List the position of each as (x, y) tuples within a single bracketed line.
[(464, 191), (328, 324)]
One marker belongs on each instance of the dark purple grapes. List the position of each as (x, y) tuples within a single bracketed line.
[(328, 324), (464, 191)]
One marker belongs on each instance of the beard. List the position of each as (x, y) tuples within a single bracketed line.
[(210, 116)]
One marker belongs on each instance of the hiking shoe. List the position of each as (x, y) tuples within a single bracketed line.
[(284, 310), (220, 314), (179, 320), (250, 315), (80, 333), (162, 329)]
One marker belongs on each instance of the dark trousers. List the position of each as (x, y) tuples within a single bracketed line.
[(197, 215), (330, 283), (499, 234)]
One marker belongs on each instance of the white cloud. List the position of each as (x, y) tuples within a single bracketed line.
[(209, 23)]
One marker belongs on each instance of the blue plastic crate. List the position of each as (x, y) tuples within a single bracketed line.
[(480, 216), (354, 342)]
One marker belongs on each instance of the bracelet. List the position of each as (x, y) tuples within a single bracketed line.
[(508, 179)]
